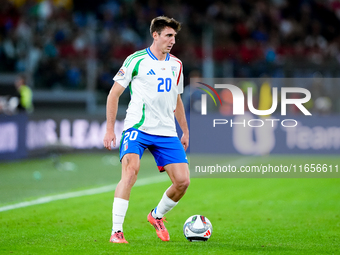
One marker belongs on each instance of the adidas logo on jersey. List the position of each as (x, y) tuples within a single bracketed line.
[(151, 72)]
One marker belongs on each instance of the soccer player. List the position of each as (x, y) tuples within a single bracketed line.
[(155, 79)]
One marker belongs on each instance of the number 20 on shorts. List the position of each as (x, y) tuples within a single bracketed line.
[(133, 136)]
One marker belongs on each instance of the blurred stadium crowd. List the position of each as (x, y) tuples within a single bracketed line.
[(53, 39)]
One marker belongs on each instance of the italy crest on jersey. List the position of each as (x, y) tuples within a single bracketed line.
[(174, 71)]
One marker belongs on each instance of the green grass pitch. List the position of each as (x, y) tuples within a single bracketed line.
[(249, 215)]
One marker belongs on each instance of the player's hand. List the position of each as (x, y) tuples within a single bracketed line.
[(109, 138), (185, 141)]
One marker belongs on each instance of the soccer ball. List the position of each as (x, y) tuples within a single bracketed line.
[(197, 228)]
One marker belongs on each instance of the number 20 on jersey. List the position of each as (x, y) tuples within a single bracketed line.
[(164, 84)]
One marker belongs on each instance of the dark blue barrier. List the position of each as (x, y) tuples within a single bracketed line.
[(20, 137), (13, 136)]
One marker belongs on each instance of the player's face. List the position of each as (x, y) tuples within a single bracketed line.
[(165, 40)]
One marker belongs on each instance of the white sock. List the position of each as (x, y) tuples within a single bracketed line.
[(165, 205), (119, 209)]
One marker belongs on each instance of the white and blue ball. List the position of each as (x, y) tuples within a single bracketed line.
[(197, 228)]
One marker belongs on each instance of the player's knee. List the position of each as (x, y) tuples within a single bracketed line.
[(130, 175), (183, 184), (132, 170), (130, 166), (186, 183)]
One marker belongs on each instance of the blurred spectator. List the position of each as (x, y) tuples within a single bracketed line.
[(25, 93)]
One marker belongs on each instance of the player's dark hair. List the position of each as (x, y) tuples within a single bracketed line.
[(161, 22)]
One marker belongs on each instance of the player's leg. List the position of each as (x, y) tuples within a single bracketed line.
[(180, 177), (131, 150), (170, 156), (130, 169)]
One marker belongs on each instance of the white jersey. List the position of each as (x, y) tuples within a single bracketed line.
[(154, 88)]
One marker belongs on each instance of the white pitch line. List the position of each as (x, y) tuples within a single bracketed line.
[(81, 193)]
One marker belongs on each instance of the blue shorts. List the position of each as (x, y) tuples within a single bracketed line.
[(165, 149)]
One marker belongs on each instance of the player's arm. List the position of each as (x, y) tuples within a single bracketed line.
[(182, 121), (111, 114)]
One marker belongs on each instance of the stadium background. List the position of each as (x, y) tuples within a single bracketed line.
[(70, 50)]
